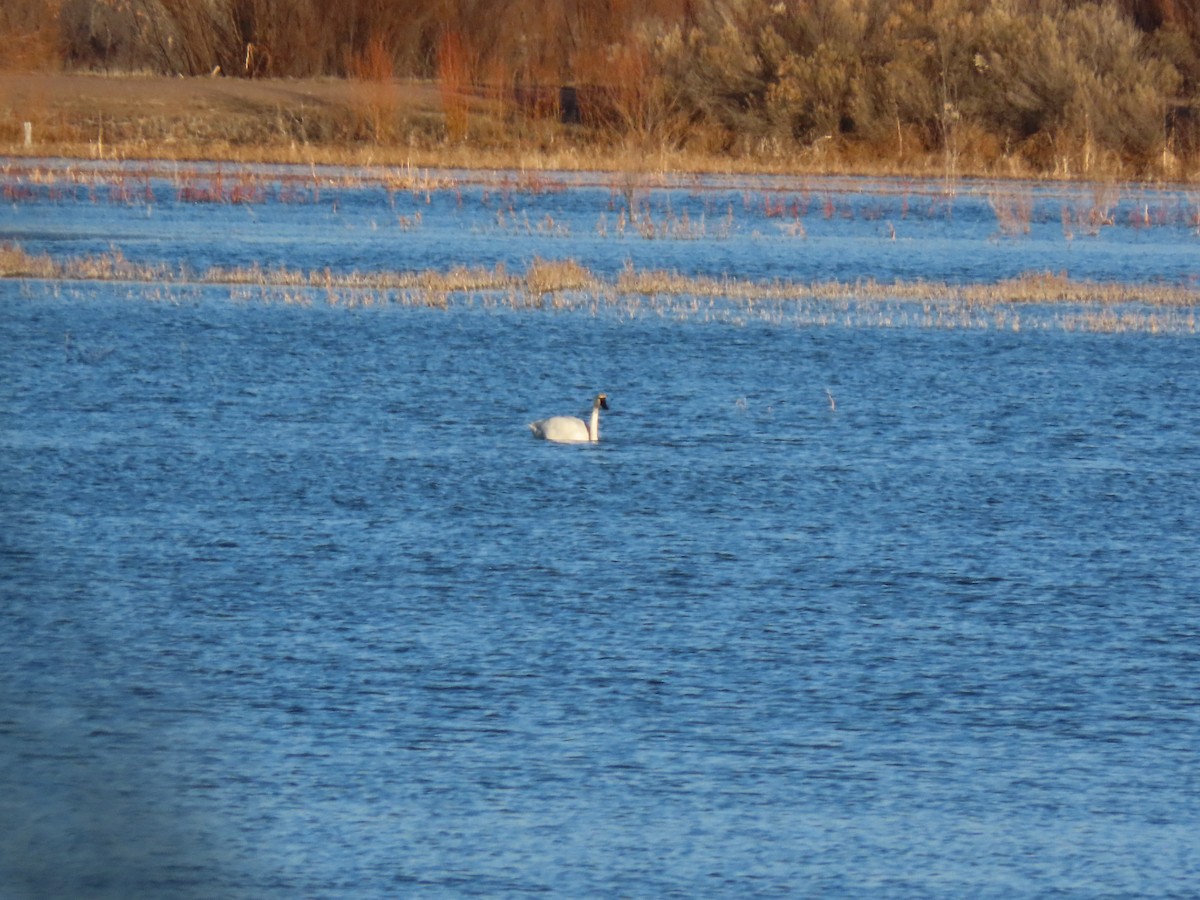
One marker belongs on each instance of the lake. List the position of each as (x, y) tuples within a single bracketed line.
[(292, 604)]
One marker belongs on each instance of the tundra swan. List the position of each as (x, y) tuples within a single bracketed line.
[(570, 430)]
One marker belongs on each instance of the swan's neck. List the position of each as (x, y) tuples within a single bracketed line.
[(594, 423)]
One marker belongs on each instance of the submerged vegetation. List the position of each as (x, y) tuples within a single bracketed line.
[(633, 211), (1033, 301), (1066, 88)]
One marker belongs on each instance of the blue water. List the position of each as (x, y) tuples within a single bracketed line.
[(751, 228), (293, 605)]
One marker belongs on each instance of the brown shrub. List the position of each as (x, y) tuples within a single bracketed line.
[(376, 99), (1076, 85), (29, 35), (454, 66)]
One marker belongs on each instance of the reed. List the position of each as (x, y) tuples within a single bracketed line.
[(551, 276), (1032, 301), (633, 209), (16, 263)]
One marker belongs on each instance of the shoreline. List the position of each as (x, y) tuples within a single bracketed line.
[(337, 122)]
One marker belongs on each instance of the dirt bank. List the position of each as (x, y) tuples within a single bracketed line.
[(216, 118), (391, 123)]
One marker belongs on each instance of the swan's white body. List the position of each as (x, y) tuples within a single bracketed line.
[(570, 430)]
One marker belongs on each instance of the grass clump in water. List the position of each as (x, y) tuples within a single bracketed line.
[(568, 285)]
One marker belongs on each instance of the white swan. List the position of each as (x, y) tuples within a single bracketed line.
[(570, 430)]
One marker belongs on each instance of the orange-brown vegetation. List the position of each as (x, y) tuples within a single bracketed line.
[(1068, 88)]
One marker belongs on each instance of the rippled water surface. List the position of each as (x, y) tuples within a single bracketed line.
[(293, 605)]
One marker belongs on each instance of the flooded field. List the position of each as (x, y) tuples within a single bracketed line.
[(881, 580), (811, 251)]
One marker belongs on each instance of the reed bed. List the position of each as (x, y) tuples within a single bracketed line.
[(1032, 301), (630, 211)]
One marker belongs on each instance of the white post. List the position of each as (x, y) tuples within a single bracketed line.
[(28, 134)]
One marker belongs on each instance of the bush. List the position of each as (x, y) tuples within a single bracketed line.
[(1062, 84), (29, 35), (1080, 81), (1084, 77)]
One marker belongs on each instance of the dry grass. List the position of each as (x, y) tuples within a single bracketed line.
[(374, 120), (548, 277), (1031, 302), (16, 263)]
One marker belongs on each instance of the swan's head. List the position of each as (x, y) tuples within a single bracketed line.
[(602, 401)]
